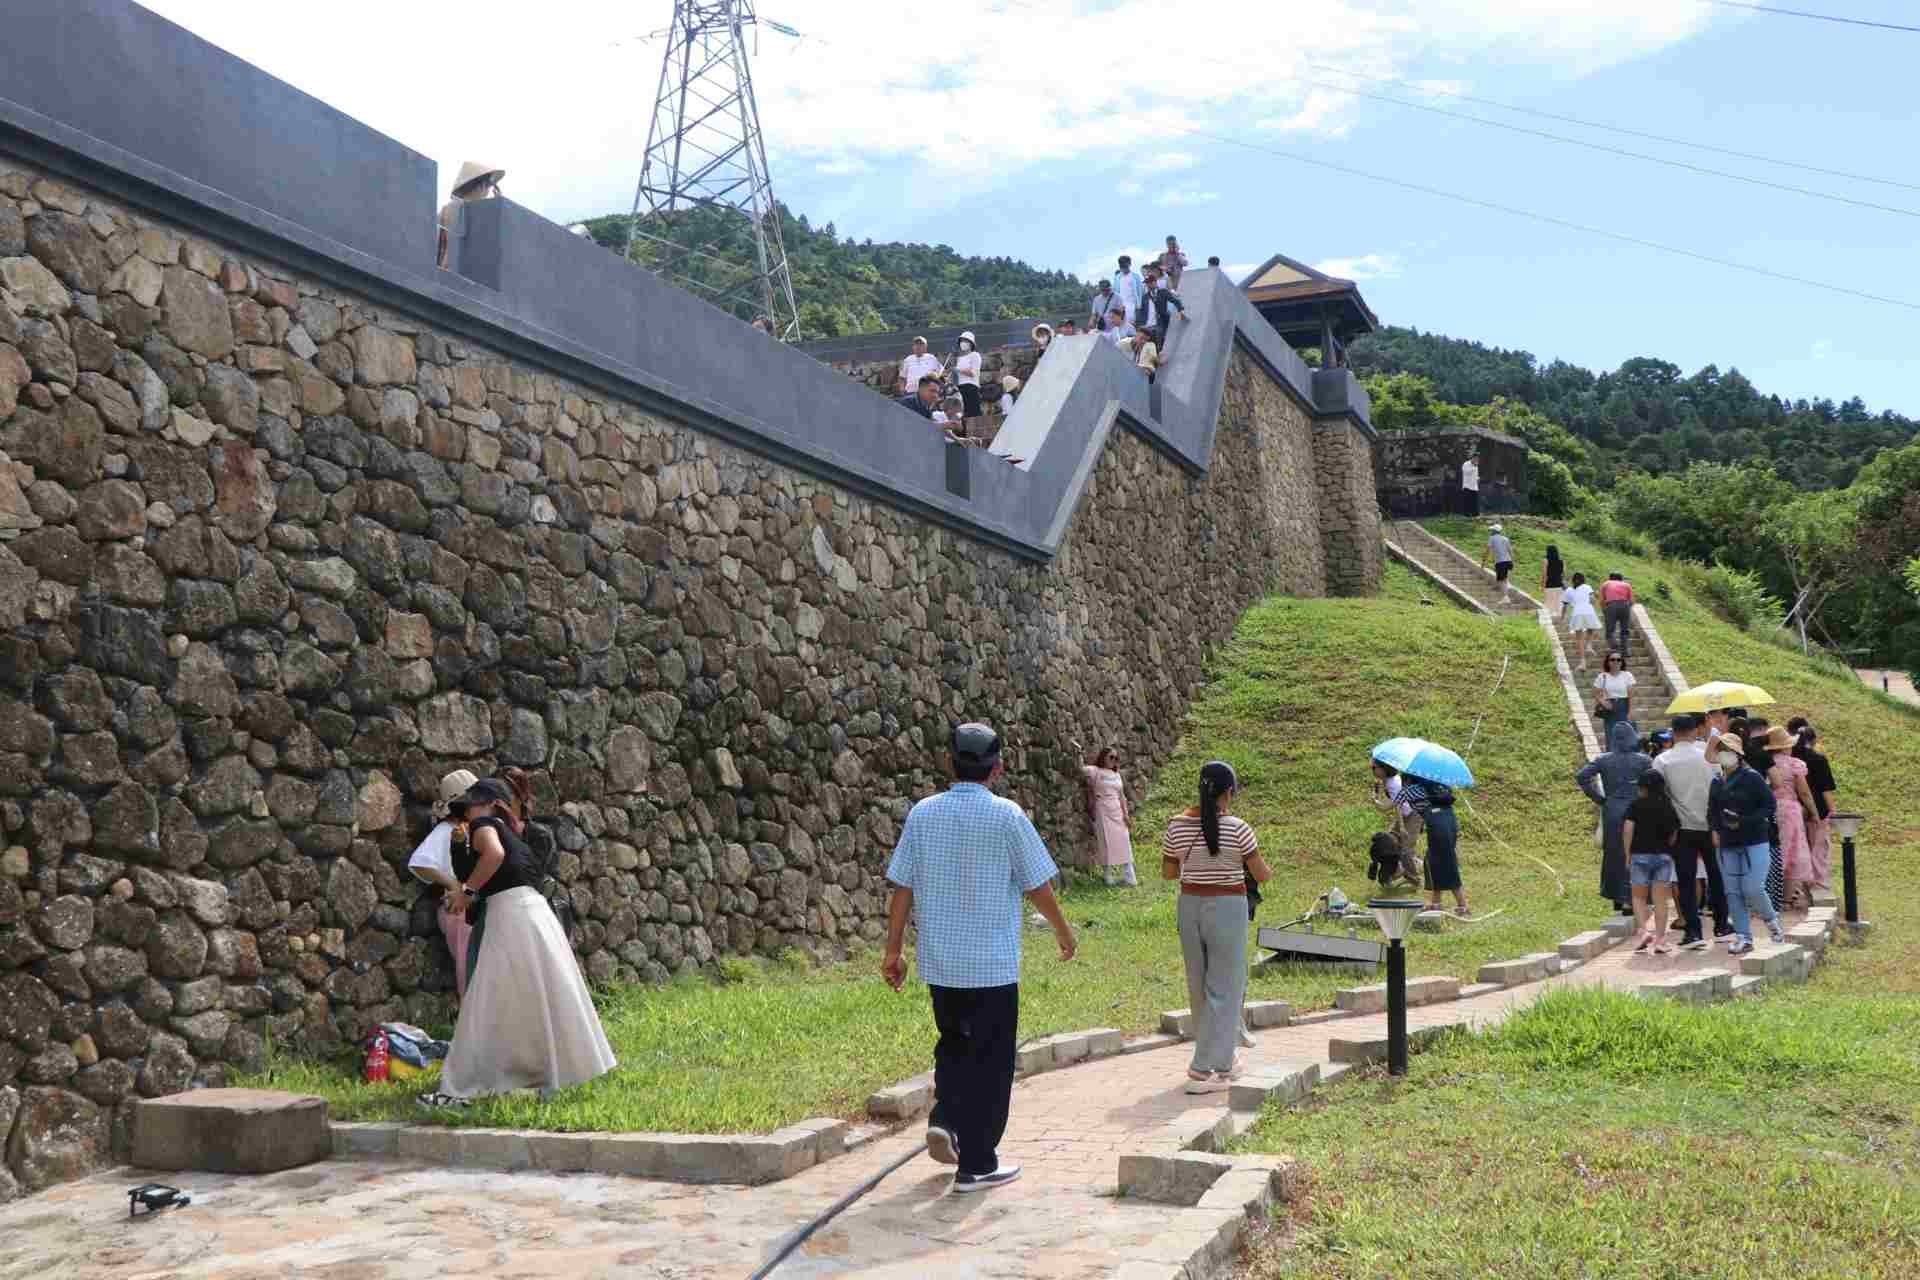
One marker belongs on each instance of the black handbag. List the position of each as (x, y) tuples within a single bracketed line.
[(1253, 895)]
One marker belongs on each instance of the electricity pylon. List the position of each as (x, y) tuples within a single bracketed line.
[(706, 170)]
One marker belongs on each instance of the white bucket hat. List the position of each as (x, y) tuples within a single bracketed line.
[(473, 172), (455, 785), (968, 337)]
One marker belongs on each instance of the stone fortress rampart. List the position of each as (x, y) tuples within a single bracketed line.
[(291, 523)]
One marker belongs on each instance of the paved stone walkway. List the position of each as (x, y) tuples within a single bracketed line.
[(395, 1220)]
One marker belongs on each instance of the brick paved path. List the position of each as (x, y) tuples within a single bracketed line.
[(401, 1221)]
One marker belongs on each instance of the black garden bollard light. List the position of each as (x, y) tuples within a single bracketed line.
[(1846, 826), (1396, 917)]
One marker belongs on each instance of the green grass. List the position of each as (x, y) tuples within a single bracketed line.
[(1598, 1136), (1294, 701)]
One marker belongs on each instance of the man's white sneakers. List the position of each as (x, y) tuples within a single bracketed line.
[(940, 1145)]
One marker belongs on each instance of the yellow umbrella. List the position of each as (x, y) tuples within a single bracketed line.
[(1718, 695)]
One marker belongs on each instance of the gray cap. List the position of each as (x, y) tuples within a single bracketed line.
[(976, 743)]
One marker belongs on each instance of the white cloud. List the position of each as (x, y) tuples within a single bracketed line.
[(1237, 271), (1369, 266), (1181, 198), (1821, 349), (565, 108), (1101, 266)]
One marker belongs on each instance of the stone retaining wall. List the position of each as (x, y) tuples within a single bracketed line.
[(273, 558)]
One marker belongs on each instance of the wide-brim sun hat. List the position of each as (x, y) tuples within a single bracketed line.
[(968, 337), (1494, 527), (473, 172), (1778, 739), (455, 785), (1010, 383), (1040, 329)]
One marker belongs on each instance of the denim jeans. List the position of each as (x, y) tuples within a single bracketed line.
[(1745, 872)]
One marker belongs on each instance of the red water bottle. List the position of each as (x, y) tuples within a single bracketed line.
[(377, 1058)]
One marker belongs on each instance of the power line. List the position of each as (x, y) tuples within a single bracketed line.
[(1620, 129), (1616, 151), (1819, 17), (1494, 205)]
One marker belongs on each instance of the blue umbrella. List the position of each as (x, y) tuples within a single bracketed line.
[(1424, 759)]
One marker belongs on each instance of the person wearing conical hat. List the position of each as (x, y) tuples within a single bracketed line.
[(476, 181)]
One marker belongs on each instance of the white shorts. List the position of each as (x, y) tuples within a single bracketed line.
[(1585, 620)]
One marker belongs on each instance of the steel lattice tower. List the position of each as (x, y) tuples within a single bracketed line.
[(705, 164)]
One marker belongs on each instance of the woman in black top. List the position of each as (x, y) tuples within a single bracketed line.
[(1820, 782), (528, 1020), (1553, 580)]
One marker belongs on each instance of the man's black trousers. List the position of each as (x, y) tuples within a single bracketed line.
[(973, 1068), (1688, 846)]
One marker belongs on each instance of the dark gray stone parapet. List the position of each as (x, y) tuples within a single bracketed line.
[(113, 96)]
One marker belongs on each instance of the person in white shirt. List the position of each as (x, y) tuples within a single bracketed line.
[(966, 373), (952, 411), (1583, 619), (1470, 486), (432, 862), (1128, 286), (1098, 305), (917, 366), (1009, 388), (1689, 778), (1118, 331), (1614, 684)]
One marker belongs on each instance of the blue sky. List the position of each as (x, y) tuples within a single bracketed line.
[(1066, 131)]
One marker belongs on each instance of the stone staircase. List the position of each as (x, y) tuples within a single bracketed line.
[(1657, 679), (1455, 572)]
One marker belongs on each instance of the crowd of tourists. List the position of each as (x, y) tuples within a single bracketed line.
[(1724, 814), (1133, 310)]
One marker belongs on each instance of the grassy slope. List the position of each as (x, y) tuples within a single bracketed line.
[(1298, 697), (1597, 1138)]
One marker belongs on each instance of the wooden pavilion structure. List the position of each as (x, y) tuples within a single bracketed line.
[(1310, 308)]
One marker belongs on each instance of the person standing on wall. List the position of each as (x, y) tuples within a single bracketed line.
[(1553, 580), (1616, 605), (1127, 287), (1213, 855), (1501, 551), (1470, 485), (1689, 777), (475, 182), (917, 366), (1103, 301), (1174, 262), (966, 374), (964, 860)]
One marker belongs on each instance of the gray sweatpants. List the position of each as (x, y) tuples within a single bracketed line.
[(1213, 939)]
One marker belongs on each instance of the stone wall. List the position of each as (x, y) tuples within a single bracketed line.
[(1349, 513), (273, 558), (883, 375), (1419, 474)]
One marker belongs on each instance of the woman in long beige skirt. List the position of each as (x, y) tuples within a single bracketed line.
[(528, 1021)]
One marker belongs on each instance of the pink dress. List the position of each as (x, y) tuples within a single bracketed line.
[(1109, 817), (1796, 857)]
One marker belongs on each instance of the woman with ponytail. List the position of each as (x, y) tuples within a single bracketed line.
[(1213, 855)]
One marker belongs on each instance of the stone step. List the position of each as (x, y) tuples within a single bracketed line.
[(231, 1131), (1373, 998), (1370, 1048)]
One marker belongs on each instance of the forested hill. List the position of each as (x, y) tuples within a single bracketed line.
[(1647, 415), (843, 286)]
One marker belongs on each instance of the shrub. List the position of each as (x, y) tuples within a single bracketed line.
[(1739, 597), (1596, 524)]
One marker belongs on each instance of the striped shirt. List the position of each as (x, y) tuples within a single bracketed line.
[(1424, 797), (1187, 844)]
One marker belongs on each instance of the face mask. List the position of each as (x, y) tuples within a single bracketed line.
[(966, 346), (1729, 761)]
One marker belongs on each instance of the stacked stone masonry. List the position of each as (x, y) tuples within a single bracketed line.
[(272, 561)]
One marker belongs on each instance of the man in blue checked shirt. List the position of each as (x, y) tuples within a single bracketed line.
[(965, 859)]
